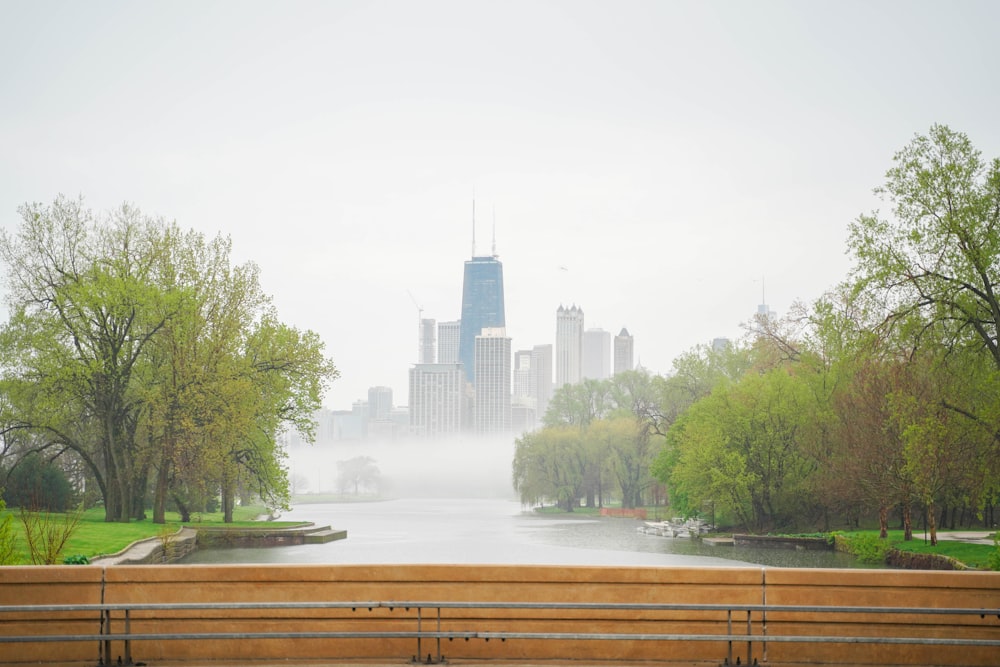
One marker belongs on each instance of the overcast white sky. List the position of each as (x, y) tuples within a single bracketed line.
[(670, 155)]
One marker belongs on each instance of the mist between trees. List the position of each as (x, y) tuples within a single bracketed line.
[(148, 365), (883, 395)]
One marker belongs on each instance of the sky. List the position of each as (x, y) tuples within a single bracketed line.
[(665, 165)]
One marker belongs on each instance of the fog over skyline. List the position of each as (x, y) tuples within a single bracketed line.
[(650, 162)]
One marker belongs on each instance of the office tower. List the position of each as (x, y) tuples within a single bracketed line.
[(623, 351), (491, 361), (379, 403), (523, 376), (541, 366), (596, 354), (449, 333), (436, 392), (482, 307), (569, 345), (522, 402), (721, 344), (428, 342)]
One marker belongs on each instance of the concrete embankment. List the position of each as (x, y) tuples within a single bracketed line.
[(170, 548)]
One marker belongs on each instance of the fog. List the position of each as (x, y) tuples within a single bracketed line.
[(463, 467)]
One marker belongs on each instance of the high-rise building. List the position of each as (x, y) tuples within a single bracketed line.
[(541, 366), (523, 375), (623, 351), (379, 403), (492, 372), (449, 334), (569, 345), (428, 341), (596, 354), (436, 393), (482, 306)]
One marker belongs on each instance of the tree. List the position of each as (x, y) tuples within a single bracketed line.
[(940, 254), (356, 474), (84, 309), (138, 348), (934, 267), (36, 484), (741, 449), (551, 464)]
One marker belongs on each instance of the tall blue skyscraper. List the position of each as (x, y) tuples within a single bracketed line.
[(482, 306)]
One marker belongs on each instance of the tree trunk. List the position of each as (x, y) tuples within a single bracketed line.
[(907, 522), (228, 496), (183, 509), (932, 523), (160, 493), (883, 521)]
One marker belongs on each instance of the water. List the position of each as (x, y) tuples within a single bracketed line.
[(492, 531)]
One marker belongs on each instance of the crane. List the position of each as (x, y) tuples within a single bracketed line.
[(420, 317)]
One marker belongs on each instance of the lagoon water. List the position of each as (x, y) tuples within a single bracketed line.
[(497, 531)]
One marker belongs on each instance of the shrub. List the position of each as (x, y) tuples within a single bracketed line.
[(993, 562), (36, 484), (868, 547)]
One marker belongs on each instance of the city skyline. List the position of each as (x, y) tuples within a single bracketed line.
[(650, 161)]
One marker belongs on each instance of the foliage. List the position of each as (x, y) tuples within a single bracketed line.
[(46, 533), (36, 484), (357, 474), (76, 559), (8, 540), (994, 559), (868, 547), (140, 352)]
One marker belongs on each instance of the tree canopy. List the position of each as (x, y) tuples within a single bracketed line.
[(136, 348)]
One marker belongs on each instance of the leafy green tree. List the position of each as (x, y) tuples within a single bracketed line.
[(140, 350), (934, 267), (36, 484), (578, 404), (740, 448), (84, 309), (551, 464)]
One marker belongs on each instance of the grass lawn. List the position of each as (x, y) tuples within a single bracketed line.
[(93, 537), (974, 555)]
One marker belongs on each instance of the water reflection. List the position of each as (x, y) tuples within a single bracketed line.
[(480, 531)]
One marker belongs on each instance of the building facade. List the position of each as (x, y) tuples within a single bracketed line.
[(449, 334), (427, 342), (541, 364), (569, 345), (623, 352), (596, 354), (436, 393), (482, 307), (379, 403), (492, 381)]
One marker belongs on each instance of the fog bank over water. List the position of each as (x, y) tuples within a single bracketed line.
[(467, 467)]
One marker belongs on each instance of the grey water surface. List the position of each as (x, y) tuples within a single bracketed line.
[(492, 531)]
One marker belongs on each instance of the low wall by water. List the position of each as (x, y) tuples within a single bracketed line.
[(470, 583)]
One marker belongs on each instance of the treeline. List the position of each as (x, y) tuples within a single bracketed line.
[(882, 396), (145, 364)]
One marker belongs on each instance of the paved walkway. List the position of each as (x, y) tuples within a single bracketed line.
[(970, 536)]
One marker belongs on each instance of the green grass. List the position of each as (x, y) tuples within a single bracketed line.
[(94, 537), (973, 555)]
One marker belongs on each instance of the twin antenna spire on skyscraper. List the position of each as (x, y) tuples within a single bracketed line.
[(494, 249)]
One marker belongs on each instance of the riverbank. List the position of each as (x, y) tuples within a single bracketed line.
[(175, 547)]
